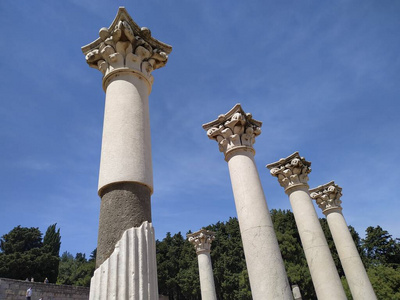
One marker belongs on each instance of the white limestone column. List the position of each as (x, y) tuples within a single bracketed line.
[(327, 197), (292, 175), (202, 240), (126, 55), (235, 133)]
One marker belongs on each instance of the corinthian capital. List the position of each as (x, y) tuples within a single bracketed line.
[(124, 45), (291, 171), (201, 240), (327, 196), (234, 130)]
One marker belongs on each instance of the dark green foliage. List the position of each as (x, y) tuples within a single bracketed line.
[(178, 275), (380, 248), (76, 270), (231, 282), (177, 268), (52, 240), (21, 239), (24, 256)]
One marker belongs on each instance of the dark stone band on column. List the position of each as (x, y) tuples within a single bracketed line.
[(123, 205)]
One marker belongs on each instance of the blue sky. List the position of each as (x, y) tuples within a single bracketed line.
[(323, 77)]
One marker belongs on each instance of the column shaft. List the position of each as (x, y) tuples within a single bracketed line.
[(327, 197), (323, 271), (265, 266), (206, 277), (357, 278), (126, 144)]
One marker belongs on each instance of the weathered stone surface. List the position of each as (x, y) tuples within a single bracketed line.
[(11, 289), (201, 241), (123, 205), (126, 55), (131, 271), (235, 134), (292, 173), (124, 45), (234, 130), (327, 197)]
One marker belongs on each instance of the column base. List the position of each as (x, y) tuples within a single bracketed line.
[(123, 205), (131, 270)]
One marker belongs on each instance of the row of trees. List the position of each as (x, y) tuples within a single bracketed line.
[(178, 269), (23, 254)]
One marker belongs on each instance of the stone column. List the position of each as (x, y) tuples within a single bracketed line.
[(235, 133), (327, 197), (202, 240), (126, 55), (292, 173)]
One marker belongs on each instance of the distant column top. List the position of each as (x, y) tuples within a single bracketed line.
[(201, 240), (291, 171), (235, 130), (327, 197), (124, 46)]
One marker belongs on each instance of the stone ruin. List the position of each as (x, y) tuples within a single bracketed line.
[(126, 262)]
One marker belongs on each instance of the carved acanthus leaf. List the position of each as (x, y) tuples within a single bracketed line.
[(327, 196), (234, 129), (125, 45), (291, 171), (201, 240)]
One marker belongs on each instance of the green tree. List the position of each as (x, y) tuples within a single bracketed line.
[(52, 240), (380, 248), (23, 256), (76, 270), (21, 239)]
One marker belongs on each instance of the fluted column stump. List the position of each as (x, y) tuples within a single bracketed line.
[(327, 197), (235, 133), (126, 55), (202, 240), (292, 173)]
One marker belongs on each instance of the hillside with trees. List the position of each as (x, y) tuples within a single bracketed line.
[(24, 254), (178, 270)]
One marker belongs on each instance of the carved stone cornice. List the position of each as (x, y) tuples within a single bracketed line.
[(291, 171), (327, 197), (202, 240), (235, 130), (124, 46)]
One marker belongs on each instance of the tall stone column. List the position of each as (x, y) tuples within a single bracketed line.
[(202, 240), (327, 197), (292, 173), (126, 55), (235, 133)]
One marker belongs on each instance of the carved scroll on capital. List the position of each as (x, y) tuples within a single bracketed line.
[(327, 196), (291, 171), (234, 130), (125, 45), (201, 240)]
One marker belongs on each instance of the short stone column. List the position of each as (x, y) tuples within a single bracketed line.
[(202, 240), (292, 173), (235, 133), (327, 197), (126, 55)]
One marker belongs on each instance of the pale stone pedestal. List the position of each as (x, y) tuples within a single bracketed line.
[(292, 175), (235, 133), (202, 240), (327, 197)]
